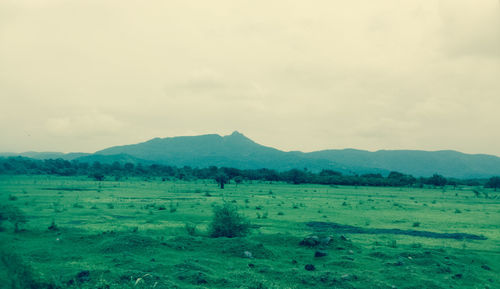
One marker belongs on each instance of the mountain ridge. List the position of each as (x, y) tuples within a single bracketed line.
[(237, 150)]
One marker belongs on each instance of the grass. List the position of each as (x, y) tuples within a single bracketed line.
[(138, 233)]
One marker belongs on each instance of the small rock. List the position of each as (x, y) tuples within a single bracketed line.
[(247, 254), (318, 254), (326, 241), (251, 265), (310, 267), (351, 252), (486, 267), (343, 238), (153, 260), (294, 261), (310, 241), (458, 276)]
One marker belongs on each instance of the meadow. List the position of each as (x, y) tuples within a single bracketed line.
[(149, 233)]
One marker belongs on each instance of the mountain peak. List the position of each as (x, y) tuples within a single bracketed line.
[(237, 134)]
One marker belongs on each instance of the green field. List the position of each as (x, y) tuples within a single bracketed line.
[(133, 234)]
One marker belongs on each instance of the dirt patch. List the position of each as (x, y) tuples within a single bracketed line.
[(339, 228)]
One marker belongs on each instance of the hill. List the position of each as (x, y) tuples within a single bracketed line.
[(236, 150)]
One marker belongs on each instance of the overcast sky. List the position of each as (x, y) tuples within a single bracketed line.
[(82, 75)]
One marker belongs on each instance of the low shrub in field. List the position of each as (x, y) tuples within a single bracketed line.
[(14, 215), (190, 229), (227, 222)]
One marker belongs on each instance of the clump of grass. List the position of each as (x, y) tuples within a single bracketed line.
[(416, 245), (393, 244), (457, 211), (12, 198), (281, 213), (190, 228), (77, 205), (53, 226), (227, 222), (110, 205), (416, 224), (173, 208)]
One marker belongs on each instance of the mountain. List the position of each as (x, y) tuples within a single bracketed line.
[(236, 150), (46, 155), (418, 163)]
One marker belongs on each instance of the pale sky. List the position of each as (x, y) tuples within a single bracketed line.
[(83, 75)]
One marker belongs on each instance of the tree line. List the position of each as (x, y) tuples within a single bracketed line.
[(222, 175)]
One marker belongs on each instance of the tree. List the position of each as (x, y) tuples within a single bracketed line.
[(493, 182), (98, 177), (238, 180), (14, 215), (222, 179), (437, 180)]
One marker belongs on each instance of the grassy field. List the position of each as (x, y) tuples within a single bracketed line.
[(139, 233)]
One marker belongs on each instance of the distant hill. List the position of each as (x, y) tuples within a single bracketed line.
[(46, 155), (418, 163), (236, 150)]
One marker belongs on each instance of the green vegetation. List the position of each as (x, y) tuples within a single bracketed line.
[(227, 222), (224, 175), (143, 232)]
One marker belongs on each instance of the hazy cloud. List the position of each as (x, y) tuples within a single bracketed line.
[(82, 75)]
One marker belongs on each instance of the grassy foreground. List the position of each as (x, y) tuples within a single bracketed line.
[(140, 233)]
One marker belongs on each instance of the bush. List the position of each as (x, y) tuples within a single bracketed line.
[(190, 228), (227, 222), (14, 215)]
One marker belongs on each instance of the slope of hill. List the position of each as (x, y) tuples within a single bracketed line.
[(236, 150), (418, 163), (46, 155)]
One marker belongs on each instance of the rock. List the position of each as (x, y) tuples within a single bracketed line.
[(83, 276), (457, 276), (247, 254), (318, 254), (343, 238), (310, 241), (486, 267), (326, 241), (250, 265), (310, 267)]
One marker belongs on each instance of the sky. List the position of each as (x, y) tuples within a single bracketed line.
[(83, 75)]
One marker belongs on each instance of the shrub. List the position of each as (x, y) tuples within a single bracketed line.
[(190, 228), (14, 215), (227, 222)]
